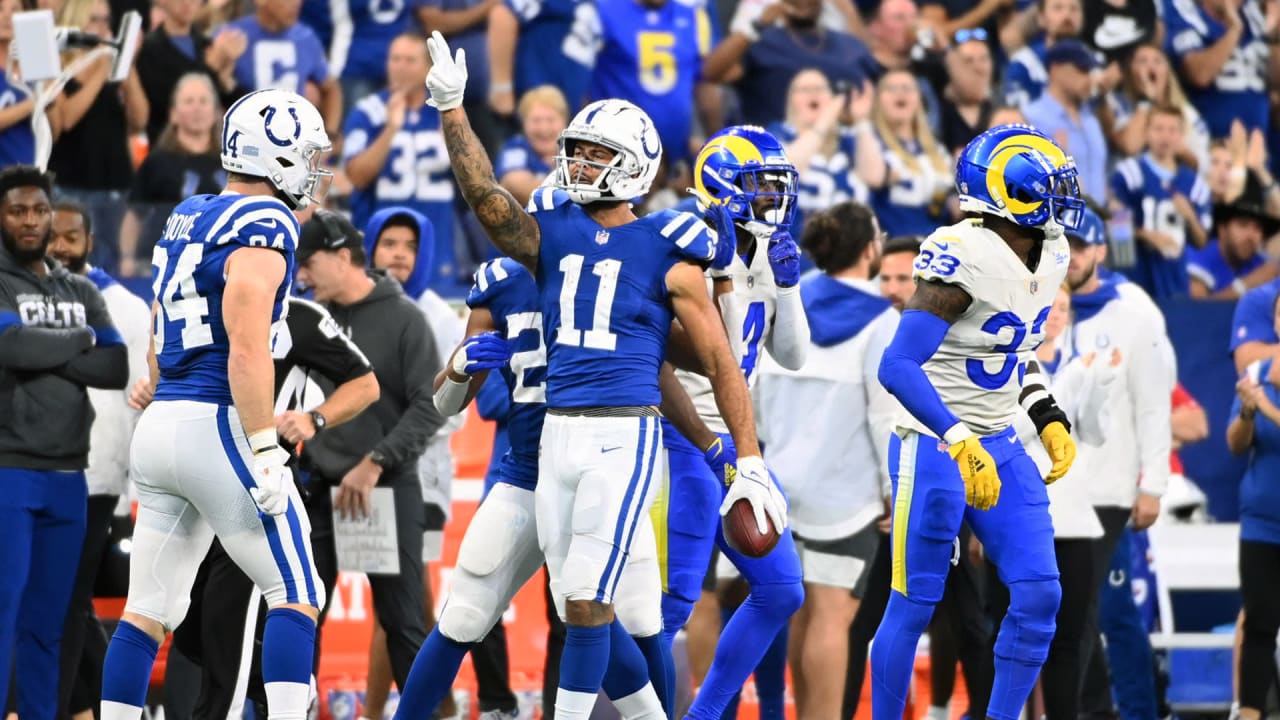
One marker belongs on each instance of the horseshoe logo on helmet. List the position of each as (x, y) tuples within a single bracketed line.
[(644, 141), (269, 114)]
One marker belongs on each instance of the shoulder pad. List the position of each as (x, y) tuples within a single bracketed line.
[(546, 198), (692, 238), (491, 278), (951, 254), (255, 221)]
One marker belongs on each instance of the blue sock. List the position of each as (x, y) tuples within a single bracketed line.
[(126, 672), (771, 678), (582, 670), (893, 654), (662, 668), (628, 670), (431, 677), (730, 708), (288, 647), (744, 642)]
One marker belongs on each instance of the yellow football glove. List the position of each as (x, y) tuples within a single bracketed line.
[(1061, 448), (978, 470)]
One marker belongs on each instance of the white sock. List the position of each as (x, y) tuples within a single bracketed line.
[(110, 710), (287, 700), (938, 713), (572, 705), (642, 704)]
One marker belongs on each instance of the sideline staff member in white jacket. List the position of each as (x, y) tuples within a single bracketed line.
[(825, 427), (1126, 474), (1081, 386), (108, 471)]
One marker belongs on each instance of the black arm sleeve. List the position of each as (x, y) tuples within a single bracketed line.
[(421, 420)]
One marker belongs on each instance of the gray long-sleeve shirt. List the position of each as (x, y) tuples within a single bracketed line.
[(393, 334), (56, 339)]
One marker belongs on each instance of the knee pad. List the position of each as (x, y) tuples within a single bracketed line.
[(638, 601), (1030, 624), (779, 600), (466, 622)]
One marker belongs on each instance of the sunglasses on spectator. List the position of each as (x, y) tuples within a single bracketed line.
[(964, 36)]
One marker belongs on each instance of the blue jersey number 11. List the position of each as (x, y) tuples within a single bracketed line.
[(598, 337)]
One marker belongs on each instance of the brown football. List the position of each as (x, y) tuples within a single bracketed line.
[(742, 534)]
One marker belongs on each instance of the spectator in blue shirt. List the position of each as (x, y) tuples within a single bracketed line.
[(527, 158), (1255, 429), (362, 31), (283, 53), (763, 57), (1063, 112), (1169, 203), (1221, 50), (1253, 335), (1233, 262), (916, 196)]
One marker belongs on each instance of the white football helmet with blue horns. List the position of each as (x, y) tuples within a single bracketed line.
[(279, 136), (623, 128)]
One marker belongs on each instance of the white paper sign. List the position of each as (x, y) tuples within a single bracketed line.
[(368, 545)]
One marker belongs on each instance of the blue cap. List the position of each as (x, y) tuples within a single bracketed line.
[(1091, 230), (1071, 51)]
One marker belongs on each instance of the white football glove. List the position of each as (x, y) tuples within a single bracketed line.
[(273, 480), (754, 483), (447, 80)]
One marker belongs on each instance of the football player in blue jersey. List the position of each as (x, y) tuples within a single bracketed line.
[(961, 365), (744, 170), (500, 551), (205, 457), (609, 285)]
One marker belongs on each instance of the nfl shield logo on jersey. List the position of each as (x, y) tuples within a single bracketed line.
[(1035, 286), (602, 237)]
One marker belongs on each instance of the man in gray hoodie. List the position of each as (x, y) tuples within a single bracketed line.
[(56, 340), (381, 446)]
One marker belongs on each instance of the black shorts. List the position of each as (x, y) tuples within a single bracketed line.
[(843, 563)]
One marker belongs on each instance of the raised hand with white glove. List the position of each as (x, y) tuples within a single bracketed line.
[(447, 79), (754, 482)]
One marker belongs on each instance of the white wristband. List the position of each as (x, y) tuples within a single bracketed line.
[(956, 433), (1239, 286), (451, 397), (263, 440)]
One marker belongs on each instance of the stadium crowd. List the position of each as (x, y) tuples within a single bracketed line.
[(1165, 105)]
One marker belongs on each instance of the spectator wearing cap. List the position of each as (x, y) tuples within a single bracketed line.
[(1221, 50), (966, 100), (1233, 262), (1063, 112), (381, 446), (761, 57), (1169, 203), (1126, 471), (1028, 69)]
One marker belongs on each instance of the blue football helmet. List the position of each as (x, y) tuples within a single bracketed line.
[(740, 165), (1017, 172)]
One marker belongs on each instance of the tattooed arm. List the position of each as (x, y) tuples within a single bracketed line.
[(511, 229)]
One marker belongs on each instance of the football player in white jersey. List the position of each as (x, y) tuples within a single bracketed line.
[(961, 364), (205, 456), (748, 187)]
